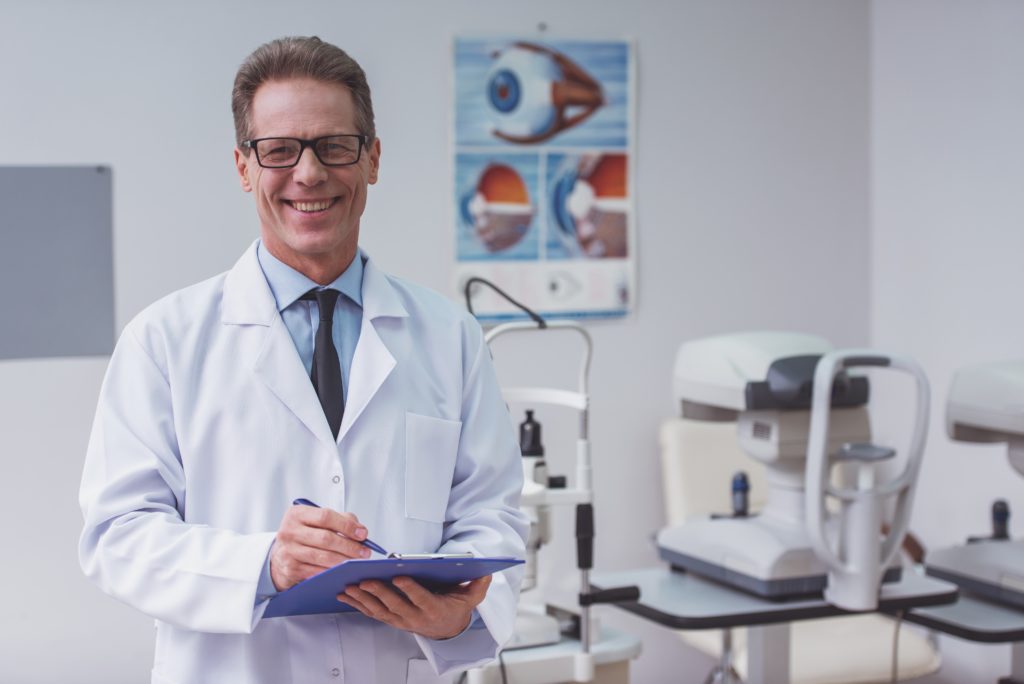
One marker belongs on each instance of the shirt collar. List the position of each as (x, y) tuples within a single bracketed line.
[(288, 285)]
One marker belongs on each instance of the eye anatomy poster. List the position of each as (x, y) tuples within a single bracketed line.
[(543, 175)]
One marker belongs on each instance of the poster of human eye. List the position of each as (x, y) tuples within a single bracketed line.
[(543, 166)]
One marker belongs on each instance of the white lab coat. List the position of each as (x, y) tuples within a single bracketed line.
[(208, 427)]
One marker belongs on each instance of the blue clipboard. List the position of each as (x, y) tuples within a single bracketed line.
[(318, 594)]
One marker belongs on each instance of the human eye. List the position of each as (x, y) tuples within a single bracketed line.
[(277, 150), (339, 149)]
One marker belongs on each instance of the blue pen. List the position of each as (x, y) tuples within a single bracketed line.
[(373, 546)]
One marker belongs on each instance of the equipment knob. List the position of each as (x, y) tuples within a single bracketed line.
[(740, 495), (1000, 519)]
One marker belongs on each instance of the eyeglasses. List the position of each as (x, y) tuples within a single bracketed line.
[(284, 153)]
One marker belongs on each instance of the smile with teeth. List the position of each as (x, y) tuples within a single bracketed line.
[(314, 206)]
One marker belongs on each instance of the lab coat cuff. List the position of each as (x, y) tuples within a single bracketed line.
[(474, 623), (259, 600), (266, 589), (474, 646)]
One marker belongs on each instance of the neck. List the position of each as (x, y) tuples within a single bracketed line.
[(322, 269)]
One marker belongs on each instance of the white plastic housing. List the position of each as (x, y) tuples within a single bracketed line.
[(714, 371), (986, 403), (859, 556)]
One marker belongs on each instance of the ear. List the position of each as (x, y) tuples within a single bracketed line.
[(374, 161), (242, 164)]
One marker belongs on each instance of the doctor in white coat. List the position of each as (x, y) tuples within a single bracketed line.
[(208, 426)]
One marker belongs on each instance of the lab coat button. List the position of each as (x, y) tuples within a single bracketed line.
[(335, 479), (335, 672)]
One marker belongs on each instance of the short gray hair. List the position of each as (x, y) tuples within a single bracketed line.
[(299, 57)]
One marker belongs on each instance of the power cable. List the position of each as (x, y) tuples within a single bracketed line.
[(541, 323), (896, 646)]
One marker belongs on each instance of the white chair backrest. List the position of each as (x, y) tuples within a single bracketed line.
[(698, 460)]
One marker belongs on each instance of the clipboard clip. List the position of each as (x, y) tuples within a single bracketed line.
[(428, 556)]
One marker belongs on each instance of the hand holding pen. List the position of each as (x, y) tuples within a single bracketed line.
[(373, 546), (312, 539)]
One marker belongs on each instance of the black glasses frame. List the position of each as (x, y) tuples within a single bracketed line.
[(303, 144)]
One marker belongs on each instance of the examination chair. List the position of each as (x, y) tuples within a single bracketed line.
[(698, 461)]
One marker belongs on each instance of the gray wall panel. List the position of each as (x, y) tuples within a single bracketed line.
[(56, 263)]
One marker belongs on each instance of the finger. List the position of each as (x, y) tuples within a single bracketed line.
[(477, 589), (295, 531), (328, 519), (331, 541), (393, 600), (417, 594), (348, 600), (471, 594), (374, 607), (311, 555), (471, 587)]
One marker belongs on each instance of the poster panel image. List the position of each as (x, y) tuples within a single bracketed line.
[(543, 166)]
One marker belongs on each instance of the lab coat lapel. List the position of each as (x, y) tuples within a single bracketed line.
[(248, 301), (372, 362), (280, 368)]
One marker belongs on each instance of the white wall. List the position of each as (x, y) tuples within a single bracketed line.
[(752, 212), (947, 240)]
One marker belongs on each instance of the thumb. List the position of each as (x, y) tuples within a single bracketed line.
[(478, 587)]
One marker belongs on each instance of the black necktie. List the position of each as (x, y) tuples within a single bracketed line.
[(326, 371)]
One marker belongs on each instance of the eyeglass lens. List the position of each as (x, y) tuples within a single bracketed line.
[(335, 150)]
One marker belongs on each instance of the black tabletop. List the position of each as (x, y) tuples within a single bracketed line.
[(685, 601), (973, 619)]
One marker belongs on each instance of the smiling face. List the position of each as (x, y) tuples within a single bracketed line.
[(309, 214)]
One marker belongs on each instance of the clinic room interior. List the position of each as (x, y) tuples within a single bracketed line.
[(812, 342)]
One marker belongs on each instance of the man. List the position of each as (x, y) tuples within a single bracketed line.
[(208, 425)]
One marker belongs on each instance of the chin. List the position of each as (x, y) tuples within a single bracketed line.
[(317, 245)]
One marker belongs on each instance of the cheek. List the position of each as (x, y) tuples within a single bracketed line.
[(265, 187)]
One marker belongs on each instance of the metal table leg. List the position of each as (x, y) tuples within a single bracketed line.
[(1016, 665), (768, 654), (724, 672)]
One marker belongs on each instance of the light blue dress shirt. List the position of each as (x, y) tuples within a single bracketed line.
[(302, 318)]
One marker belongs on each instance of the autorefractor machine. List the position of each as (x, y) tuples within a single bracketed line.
[(802, 413), (986, 404)]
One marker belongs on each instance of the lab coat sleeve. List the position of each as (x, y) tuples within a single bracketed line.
[(483, 514), (135, 543)]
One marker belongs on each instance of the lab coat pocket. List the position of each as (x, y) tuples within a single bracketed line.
[(431, 446), (421, 672)]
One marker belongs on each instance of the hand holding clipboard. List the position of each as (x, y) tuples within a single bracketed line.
[(318, 594)]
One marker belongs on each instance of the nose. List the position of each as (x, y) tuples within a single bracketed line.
[(309, 171)]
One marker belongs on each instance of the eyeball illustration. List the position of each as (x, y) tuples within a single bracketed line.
[(563, 285), (499, 208), (589, 203), (534, 93)]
